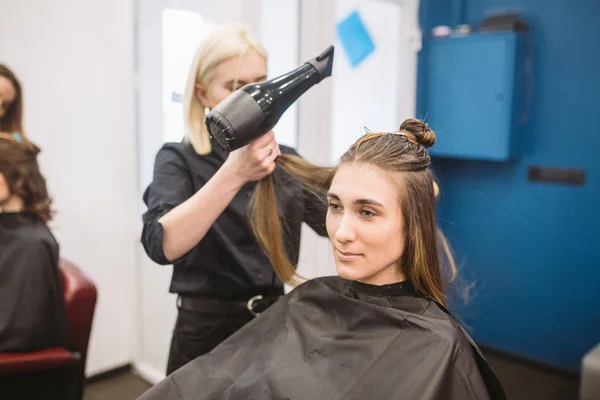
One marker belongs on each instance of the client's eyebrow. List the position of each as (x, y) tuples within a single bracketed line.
[(357, 201)]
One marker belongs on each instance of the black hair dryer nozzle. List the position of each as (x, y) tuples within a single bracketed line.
[(253, 110)]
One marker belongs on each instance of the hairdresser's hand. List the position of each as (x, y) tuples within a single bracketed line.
[(255, 160)]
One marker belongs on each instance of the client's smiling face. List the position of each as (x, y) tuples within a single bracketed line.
[(365, 224)]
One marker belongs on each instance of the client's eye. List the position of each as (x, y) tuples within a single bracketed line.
[(367, 214)]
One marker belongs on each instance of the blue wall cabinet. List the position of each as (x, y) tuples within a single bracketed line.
[(475, 95)]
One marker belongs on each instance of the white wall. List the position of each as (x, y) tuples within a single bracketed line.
[(280, 34), (317, 31), (76, 63), (351, 112)]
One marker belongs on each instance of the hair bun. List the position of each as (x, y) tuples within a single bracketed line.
[(419, 131)]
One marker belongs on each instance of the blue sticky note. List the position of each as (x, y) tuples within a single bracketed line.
[(176, 97), (356, 41)]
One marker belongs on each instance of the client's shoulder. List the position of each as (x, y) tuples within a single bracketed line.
[(441, 326), (327, 283)]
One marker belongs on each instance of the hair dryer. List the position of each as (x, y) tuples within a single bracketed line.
[(254, 109)]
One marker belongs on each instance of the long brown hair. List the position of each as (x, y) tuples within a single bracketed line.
[(12, 121), (402, 152), (19, 166)]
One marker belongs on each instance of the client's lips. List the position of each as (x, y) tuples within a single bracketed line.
[(347, 256)]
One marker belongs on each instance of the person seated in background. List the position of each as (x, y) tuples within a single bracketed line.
[(379, 330), (11, 101), (32, 308)]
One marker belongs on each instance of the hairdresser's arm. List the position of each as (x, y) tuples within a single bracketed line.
[(185, 225)]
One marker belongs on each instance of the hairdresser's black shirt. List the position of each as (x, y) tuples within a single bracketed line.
[(228, 262)]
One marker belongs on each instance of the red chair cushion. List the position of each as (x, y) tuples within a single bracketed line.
[(12, 363)]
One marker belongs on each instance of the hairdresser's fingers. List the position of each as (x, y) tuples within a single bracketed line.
[(269, 161), (262, 141), (274, 151), (270, 150), (271, 168)]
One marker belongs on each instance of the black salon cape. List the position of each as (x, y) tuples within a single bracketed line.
[(32, 308), (333, 339)]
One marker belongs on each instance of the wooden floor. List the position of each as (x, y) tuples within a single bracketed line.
[(524, 381), (124, 386)]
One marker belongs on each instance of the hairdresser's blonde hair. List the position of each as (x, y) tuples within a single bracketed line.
[(227, 41)]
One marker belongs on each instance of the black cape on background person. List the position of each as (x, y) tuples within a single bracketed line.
[(333, 339), (32, 308)]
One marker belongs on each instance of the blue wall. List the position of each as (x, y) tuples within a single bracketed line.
[(532, 249)]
